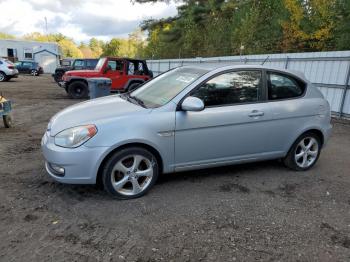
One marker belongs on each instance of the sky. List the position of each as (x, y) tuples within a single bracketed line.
[(79, 19)]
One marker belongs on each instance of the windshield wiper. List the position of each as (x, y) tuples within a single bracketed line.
[(138, 100), (133, 99)]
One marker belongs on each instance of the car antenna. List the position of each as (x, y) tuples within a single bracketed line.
[(265, 60)]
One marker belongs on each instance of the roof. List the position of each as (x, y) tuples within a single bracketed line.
[(28, 41), (45, 50), (222, 67)]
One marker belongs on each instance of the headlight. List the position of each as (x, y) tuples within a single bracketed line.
[(75, 136)]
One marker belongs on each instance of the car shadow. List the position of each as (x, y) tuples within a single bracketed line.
[(224, 171), (83, 192)]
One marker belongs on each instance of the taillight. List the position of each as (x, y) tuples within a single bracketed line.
[(10, 67)]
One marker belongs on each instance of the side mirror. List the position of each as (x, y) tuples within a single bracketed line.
[(192, 103)]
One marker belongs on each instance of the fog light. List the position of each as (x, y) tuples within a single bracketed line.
[(58, 170)]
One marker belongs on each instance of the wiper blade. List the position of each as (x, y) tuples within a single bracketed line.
[(138, 100), (133, 99)]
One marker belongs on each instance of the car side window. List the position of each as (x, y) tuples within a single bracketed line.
[(79, 63), (231, 88), (283, 87), (27, 64), (115, 65), (91, 63)]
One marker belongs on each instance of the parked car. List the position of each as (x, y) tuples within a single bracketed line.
[(29, 67), (75, 64), (188, 118), (7, 70), (126, 75)]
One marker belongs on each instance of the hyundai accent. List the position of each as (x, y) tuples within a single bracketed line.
[(188, 118)]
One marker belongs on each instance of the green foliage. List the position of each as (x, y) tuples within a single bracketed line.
[(221, 27), (67, 45), (111, 48), (6, 36)]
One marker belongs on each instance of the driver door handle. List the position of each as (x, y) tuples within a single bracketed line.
[(256, 113)]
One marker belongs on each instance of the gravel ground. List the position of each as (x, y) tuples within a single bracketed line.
[(249, 212)]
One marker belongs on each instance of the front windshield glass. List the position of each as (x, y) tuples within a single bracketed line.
[(165, 87), (100, 63)]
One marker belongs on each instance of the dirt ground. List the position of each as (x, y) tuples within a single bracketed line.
[(252, 212)]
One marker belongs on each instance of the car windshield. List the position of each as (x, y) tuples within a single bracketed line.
[(165, 87), (100, 63)]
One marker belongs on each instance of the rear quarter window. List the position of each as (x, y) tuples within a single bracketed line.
[(281, 86)]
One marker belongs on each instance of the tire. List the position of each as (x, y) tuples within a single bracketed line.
[(78, 90), (58, 76), (34, 72), (304, 153), (135, 169), (3, 77), (7, 121), (133, 87)]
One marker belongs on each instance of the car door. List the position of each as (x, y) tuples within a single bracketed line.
[(115, 73), (26, 67), (233, 126)]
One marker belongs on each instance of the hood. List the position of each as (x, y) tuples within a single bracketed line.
[(84, 73), (93, 111)]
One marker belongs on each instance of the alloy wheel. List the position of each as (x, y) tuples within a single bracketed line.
[(132, 175), (306, 152)]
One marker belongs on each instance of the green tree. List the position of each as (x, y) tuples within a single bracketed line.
[(6, 36), (111, 48), (69, 49), (96, 47)]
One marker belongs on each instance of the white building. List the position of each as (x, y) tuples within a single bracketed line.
[(47, 54)]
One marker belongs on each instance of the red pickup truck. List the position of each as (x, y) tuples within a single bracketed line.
[(126, 75)]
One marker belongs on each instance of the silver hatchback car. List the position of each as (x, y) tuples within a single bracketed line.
[(188, 118)]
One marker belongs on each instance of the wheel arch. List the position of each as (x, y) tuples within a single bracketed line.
[(133, 81), (314, 130), (146, 146), (76, 79)]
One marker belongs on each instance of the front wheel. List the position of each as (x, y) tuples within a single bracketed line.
[(130, 173), (58, 76), (304, 153), (78, 90)]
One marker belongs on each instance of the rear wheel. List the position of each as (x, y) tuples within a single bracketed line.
[(304, 153), (3, 77), (34, 72), (78, 90), (7, 121), (130, 173)]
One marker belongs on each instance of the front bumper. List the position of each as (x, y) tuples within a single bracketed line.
[(80, 164)]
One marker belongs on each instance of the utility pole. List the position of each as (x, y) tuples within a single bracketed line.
[(46, 28)]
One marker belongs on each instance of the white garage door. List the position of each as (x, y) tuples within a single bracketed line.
[(48, 62)]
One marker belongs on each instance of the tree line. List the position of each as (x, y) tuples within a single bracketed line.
[(94, 48), (230, 27), (204, 28)]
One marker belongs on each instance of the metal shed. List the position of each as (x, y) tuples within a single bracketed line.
[(47, 54)]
